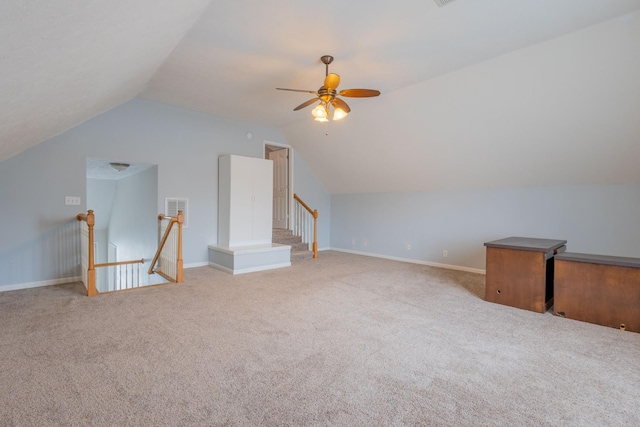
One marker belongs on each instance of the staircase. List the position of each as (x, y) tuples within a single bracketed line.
[(299, 249)]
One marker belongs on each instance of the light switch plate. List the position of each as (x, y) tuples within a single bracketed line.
[(72, 200)]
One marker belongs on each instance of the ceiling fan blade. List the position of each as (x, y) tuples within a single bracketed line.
[(298, 90), (359, 93), (339, 103), (305, 104), (331, 81)]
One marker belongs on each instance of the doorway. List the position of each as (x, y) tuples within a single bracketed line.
[(282, 186), (124, 200)]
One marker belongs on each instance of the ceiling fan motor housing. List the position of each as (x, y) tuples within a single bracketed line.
[(326, 95)]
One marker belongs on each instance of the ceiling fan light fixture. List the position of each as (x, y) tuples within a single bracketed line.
[(327, 94), (320, 111), (119, 166), (339, 113), (442, 3)]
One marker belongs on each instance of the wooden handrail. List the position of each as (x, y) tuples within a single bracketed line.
[(179, 268), (111, 264), (90, 219), (313, 213), (304, 205), (161, 245)]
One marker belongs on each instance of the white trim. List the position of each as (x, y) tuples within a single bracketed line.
[(249, 270), (290, 163), (414, 261), (19, 286), (251, 249)]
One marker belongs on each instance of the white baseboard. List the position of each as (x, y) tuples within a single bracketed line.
[(414, 261), (19, 286)]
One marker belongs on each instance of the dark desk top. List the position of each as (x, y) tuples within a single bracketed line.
[(600, 259), (527, 244)]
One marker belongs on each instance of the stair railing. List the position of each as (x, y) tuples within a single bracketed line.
[(123, 275), (303, 226), (168, 257), (126, 273), (87, 222)]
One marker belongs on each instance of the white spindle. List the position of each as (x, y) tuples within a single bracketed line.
[(168, 261), (303, 225), (84, 251)]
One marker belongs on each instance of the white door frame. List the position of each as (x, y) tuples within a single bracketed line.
[(289, 175)]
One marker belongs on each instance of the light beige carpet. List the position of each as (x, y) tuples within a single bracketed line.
[(343, 340)]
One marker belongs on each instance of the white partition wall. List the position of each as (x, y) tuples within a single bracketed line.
[(245, 214), (245, 201)]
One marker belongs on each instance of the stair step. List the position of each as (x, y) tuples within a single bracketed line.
[(299, 247), (295, 256), (287, 240), (284, 236), (299, 250)]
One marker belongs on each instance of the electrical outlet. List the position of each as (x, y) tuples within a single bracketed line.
[(353, 242), (364, 243), (408, 246), (72, 200), (445, 253)]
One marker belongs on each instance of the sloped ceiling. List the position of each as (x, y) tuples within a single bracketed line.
[(441, 72), (63, 62)]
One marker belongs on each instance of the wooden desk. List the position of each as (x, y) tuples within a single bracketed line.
[(520, 272), (599, 289)]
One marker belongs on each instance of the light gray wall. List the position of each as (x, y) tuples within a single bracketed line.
[(601, 219), (100, 195), (133, 225), (39, 238), (40, 245)]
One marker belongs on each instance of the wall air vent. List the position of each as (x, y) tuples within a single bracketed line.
[(443, 2), (172, 205)]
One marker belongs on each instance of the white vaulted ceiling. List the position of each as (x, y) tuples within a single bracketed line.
[(63, 62), (442, 72)]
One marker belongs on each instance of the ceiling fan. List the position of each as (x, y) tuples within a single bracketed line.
[(328, 95)]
